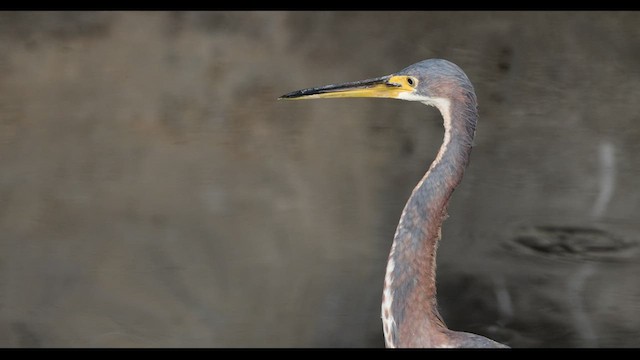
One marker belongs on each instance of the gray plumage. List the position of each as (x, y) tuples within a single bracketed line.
[(409, 307)]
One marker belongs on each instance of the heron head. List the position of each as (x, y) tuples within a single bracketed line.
[(426, 81)]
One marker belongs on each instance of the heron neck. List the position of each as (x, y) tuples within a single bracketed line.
[(409, 308)]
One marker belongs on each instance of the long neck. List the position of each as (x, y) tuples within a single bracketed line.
[(409, 309)]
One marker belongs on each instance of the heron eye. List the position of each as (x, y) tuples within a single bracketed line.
[(411, 81)]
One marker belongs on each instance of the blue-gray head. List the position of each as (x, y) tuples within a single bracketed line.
[(434, 82), (430, 81), (436, 79)]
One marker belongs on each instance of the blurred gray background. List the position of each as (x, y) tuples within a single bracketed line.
[(153, 192)]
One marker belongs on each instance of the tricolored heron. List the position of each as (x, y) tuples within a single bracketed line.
[(410, 314)]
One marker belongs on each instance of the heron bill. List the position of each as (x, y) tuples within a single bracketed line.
[(391, 86)]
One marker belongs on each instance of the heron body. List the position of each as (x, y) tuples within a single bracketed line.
[(410, 314)]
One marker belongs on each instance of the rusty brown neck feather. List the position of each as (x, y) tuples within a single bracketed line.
[(411, 317)]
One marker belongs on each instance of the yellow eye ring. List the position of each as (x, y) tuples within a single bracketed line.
[(412, 81)]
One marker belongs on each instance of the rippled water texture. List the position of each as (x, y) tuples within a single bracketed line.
[(154, 193)]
